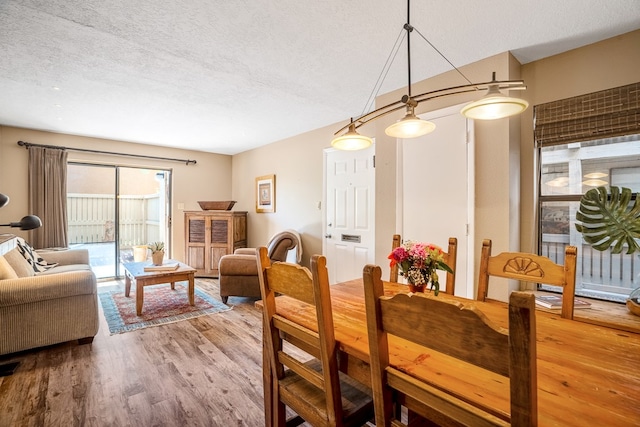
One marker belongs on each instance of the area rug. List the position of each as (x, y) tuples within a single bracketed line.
[(162, 305)]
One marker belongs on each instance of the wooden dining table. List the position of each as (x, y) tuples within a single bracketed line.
[(588, 375)]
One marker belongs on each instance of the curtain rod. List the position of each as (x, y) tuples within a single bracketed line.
[(29, 144)]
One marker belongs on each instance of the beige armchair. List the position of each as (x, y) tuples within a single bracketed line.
[(239, 271)]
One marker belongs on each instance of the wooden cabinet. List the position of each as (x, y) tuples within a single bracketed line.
[(211, 234)]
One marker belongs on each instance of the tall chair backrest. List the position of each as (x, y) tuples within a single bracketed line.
[(306, 378), (450, 258), (395, 243), (530, 268), (462, 332)]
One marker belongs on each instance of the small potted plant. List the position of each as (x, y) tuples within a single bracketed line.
[(157, 252)]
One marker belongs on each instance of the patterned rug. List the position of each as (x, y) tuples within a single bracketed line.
[(162, 305)]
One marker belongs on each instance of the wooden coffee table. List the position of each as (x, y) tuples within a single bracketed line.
[(134, 272)]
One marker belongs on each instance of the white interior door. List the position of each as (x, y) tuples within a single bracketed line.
[(436, 190), (349, 238)]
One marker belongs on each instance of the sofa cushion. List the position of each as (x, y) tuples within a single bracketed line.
[(20, 266), (238, 265), (65, 268), (6, 271), (36, 261)]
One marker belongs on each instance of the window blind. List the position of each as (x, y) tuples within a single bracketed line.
[(603, 114)]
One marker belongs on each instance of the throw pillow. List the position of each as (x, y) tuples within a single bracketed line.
[(6, 271), (36, 261), (20, 265)]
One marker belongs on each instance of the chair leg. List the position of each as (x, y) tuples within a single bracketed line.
[(295, 421)]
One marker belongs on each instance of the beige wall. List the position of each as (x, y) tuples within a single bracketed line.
[(209, 179), (297, 164)]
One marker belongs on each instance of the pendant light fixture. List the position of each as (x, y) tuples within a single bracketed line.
[(351, 140), (410, 126), (494, 105)]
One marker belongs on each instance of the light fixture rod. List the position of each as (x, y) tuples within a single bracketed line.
[(444, 57), (454, 90), (408, 28)]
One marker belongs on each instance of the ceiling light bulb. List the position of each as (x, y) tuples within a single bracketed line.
[(494, 105), (410, 126), (596, 175), (561, 181), (351, 140), (594, 182)]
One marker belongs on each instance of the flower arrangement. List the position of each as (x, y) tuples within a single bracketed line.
[(418, 262), (156, 247)]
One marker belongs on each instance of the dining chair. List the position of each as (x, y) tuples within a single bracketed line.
[(450, 258), (305, 370), (460, 331), (530, 268)]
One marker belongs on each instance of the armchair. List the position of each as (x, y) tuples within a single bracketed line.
[(238, 272)]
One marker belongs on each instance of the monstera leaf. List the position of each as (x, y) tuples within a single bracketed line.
[(610, 221)]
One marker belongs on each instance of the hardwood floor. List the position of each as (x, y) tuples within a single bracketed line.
[(205, 371)]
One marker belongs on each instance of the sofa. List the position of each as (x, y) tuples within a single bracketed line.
[(52, 306), (238, 272)]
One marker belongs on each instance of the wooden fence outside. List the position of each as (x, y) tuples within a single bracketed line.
[(91, 219), (597, 272)]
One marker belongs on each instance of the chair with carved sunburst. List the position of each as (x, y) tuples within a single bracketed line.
[(530, 268)]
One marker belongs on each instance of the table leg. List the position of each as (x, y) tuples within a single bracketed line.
[(139, 296), (191, 290), (127, 284), (173, 286)]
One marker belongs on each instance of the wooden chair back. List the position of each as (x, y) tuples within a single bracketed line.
[(306, 377), (460, 331), (395, 243), (450, 258), (530, 268)]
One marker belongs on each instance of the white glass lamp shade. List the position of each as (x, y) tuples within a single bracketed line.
[(351, 140), (410, 126), (494, 105)]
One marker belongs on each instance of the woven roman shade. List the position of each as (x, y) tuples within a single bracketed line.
[(603, 114)]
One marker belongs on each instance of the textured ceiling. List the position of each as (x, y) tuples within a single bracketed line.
[(228, 76)]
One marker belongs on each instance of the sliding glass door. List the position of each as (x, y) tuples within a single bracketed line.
[(112, 209)]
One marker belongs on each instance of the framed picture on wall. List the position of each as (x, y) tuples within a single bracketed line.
[(266, 193)]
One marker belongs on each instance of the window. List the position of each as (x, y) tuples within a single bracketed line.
[(585, 142), (566, 172)]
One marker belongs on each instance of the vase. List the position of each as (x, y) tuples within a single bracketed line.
[(157, 257), (140, 253), (416, 288), (633, 302)]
